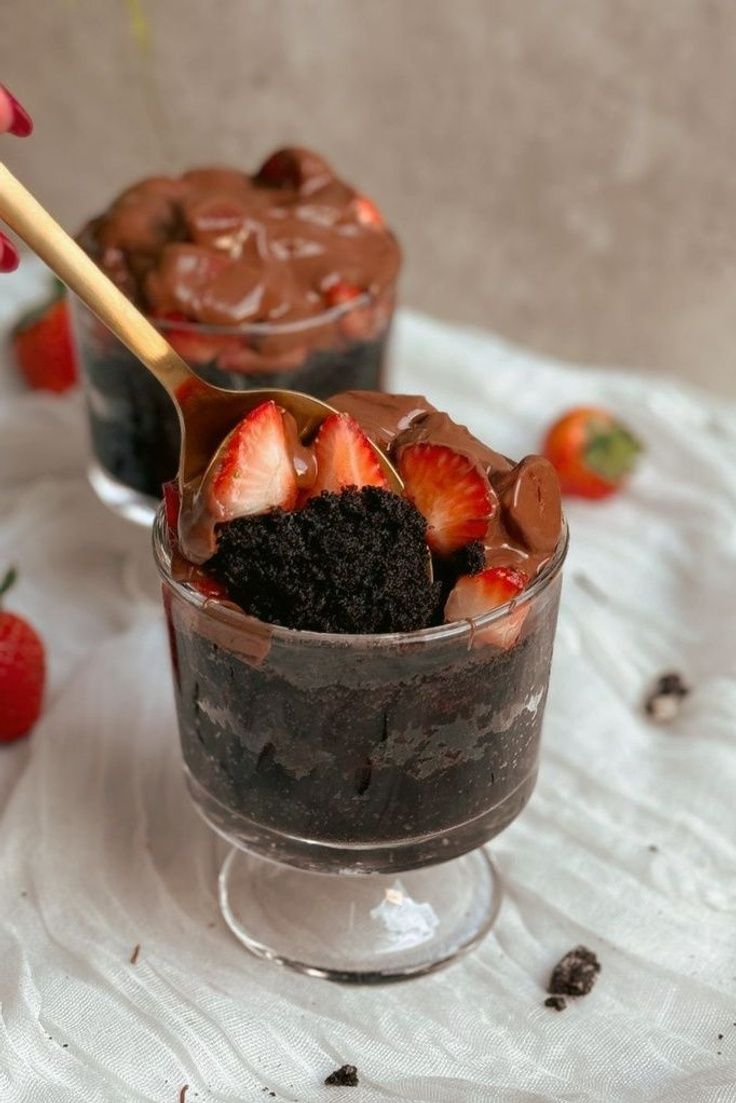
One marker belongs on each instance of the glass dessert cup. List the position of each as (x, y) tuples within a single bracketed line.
[(357, 778), (133, 424)]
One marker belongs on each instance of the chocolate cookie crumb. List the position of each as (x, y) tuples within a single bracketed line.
[(135, 955), (663, 702), (344, 1077), (575, 974), (559, 1003), (720, 1037), (469, 559), (355, 562)]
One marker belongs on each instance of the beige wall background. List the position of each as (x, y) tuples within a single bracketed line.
[(561, 171)]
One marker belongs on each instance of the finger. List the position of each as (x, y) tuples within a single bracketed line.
[(13, 116), (9, 258)]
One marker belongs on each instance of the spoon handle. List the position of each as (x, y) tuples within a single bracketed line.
[(32, 222)]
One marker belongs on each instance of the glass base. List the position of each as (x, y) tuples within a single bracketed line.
[(361, 930), (123, 500)]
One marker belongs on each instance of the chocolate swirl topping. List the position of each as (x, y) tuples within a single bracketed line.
[(223, 247)]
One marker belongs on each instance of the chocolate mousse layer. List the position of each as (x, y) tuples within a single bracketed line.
[(280, 278), (382, 417), (228, 248)]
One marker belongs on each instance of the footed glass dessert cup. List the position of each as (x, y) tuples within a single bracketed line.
[(358, 778), (133, 424)]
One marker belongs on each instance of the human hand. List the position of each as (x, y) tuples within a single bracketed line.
[(14, 119)]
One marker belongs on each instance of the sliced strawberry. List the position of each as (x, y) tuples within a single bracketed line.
[(476, 594), (253, 470), (345, 457), (357, 322), (197, 577), (450, 492), (366, 212), (205, 584), (341, 292)]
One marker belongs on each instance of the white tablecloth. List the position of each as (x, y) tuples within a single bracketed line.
[(100, 849)]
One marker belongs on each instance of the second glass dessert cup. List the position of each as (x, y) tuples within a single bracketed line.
[(357, 778), (133, 424)]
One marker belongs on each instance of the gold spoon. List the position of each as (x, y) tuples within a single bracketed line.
[(206, 413)]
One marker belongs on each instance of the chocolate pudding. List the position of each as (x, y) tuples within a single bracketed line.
[(281, 278)]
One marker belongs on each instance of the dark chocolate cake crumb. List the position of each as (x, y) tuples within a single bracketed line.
[(663, 702), (575, 974), (344, 1077), (469, 559), (351, 562), (559, 1003)]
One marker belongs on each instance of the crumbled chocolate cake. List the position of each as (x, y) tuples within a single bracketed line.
[(575, 974), (557, 1003), (469, 559), (344, 1077), (354, 562)]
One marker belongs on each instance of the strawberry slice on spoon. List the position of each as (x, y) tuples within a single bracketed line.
[(345, 457), (253, 470)]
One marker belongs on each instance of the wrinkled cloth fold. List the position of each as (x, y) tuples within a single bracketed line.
[(628, 844)]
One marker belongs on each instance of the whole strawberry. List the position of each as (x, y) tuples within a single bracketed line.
[(22, 672), (43, 349), (592, 451)]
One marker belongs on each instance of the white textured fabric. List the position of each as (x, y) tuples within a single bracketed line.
[(100, 848)]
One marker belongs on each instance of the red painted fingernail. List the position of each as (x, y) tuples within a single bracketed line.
[(9, 258), (21, 123)]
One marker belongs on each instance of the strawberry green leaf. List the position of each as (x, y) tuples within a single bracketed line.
[(8, 580), (611, 452)]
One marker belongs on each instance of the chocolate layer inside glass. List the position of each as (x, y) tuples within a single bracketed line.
[(412, 753)]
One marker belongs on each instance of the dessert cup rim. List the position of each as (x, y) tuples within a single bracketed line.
[(266, 329), (235, 617)]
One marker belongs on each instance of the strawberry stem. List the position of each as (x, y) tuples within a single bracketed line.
[(8, 581), (612, 453)]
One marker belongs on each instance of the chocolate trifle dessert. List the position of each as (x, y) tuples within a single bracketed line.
[(361, 663), (280, 278)]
